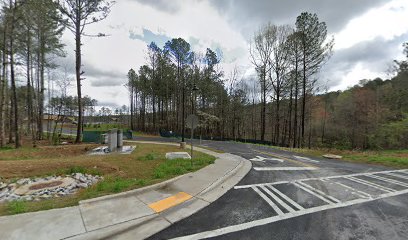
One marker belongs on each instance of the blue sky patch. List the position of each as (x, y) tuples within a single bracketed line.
[(148, 37)]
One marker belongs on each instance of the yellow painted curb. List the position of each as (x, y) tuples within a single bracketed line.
[(288, 159), (169, 202)]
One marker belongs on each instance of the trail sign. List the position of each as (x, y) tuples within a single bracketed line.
[(192, 122)]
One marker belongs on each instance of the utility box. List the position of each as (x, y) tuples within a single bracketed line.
[(120, 139), (112, 140)]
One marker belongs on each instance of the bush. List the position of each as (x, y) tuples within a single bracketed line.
[(75, 169), (391, 136)]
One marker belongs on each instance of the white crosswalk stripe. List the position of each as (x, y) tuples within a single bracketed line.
[(313, 193), (269, 201), (358, 180), (279, 200), (359, 193), (397, 175), (283, 204), (295, 204), (333, 199), (389, 180)]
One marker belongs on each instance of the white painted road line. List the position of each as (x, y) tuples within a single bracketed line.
[(288, 199), (306, 159), (370, 184), (284, 168), (359, 193), (389, 180), (277, 199), (397, 175), (313, 193), (261, 222), (269, 201), (319, 178), (262, 159), (333, 199)]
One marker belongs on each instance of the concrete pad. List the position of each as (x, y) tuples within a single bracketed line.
[(102, 213), (184, 210), (51, 224), (177, 155)]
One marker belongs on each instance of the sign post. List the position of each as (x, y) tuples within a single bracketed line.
[(192, 122)]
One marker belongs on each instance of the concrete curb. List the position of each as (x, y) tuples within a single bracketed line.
[(133, 192)]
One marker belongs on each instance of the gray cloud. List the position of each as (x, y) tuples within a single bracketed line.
[(375, 55), (107, 82), (170, 6), (96, 76), (249, 15), (102, 78), (110, 104)]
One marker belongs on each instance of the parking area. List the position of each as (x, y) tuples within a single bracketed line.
[(286, 196)]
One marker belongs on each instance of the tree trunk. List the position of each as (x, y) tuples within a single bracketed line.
[(290, 115), (13, 87), (78, 78), (30, 114), (303, 98), (263, 111), (3, 88), (42, 89), (131, 108), (295, 123)]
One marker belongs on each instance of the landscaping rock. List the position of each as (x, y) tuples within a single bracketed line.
[(332, 156), (45, 188), (82, 185)]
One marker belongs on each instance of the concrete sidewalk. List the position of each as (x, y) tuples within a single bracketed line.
[(135, 214)]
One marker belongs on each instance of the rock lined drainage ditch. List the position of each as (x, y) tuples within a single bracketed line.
[(35, 189)]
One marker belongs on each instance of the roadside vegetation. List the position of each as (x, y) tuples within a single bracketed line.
[(145, 166), (391, 158)]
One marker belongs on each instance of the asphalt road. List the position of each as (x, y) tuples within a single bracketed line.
[(290, 196)]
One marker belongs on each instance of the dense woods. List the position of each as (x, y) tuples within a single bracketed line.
[(284, 105)]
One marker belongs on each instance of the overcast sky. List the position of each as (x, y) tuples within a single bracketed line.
[(368, 36)]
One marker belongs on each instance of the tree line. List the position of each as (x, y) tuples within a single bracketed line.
[(284, 105), (30, 42), (286, 59)]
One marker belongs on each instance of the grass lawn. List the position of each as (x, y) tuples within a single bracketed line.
[(391, 158), (145, 166)]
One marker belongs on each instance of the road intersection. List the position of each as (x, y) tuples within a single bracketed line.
[(298, 197)]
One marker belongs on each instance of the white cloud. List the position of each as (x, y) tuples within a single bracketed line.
[(357, 73), (118, 53), (198, 19), (388, 21)]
